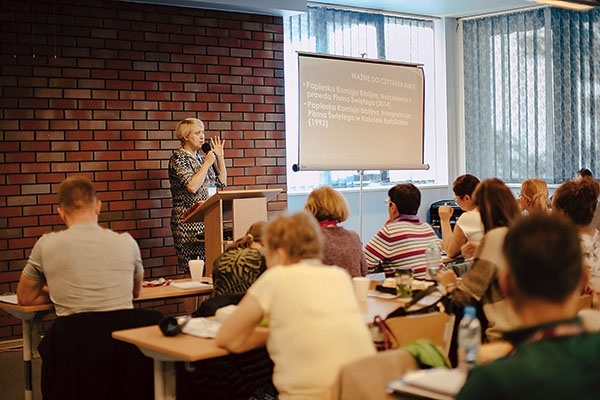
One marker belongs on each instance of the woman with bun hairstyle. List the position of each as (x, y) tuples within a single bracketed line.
[(534, 196), (236, 269)]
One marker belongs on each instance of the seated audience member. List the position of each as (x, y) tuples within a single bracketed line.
[(402, 241), (241, 264), (578, 199), (342, 247), (315, 324), (468, 228), (586, 173), (534, 196), (583, 173), (554, 358), (235, 376), (479, 285), (85, 267)]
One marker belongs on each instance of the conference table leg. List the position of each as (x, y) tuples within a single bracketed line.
[(27, 357), (164, 380)]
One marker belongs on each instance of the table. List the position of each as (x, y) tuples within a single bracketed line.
[(165, 351), (31, 318)]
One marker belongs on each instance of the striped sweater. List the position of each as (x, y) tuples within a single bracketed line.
[(401, 242)]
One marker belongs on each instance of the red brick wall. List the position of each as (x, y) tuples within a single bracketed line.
[(97, 90)]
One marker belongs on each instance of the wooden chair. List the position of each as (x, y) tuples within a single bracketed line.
[(584, 301), (436, 327), (366, 378)]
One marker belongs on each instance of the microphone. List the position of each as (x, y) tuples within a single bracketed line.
[(206, 149)]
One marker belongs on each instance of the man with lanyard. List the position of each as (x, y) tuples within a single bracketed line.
[(553, 356), (402, 241)]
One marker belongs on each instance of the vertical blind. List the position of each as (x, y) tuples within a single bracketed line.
[(531, 94)]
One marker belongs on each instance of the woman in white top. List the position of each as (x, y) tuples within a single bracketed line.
[(315, 323), (468, 230), (577, 199)]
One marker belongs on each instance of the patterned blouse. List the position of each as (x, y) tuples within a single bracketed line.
[(182, 167)]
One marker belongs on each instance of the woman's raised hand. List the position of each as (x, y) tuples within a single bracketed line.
[(216, 143)]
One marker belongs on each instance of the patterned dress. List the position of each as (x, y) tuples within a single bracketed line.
[(187, 236)]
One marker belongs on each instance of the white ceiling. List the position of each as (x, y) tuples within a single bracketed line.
[(439, 8), (436, 8)]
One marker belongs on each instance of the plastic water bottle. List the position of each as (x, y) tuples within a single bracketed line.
[(469, 338), (433, 258)]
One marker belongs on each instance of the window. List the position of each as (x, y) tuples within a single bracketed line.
[(362, 34), (531, 94)]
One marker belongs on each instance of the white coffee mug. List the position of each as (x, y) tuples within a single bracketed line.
[(361, 287)]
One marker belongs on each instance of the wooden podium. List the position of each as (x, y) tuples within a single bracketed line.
[(229, 211)]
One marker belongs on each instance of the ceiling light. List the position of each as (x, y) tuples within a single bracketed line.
[(578, 5)]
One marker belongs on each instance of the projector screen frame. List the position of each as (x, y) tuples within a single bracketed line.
[(360, 161)]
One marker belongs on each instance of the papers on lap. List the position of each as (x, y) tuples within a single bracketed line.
[(435, 383)]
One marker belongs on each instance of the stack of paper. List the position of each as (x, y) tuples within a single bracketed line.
[(435, 383), (191, 285)]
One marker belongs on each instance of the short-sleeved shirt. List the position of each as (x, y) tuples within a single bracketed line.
[(471, 225), (315, 326), (401, 243), (86, 268)]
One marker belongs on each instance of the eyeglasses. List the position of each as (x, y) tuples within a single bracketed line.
[(389, 202)]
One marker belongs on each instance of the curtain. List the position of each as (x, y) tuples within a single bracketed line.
[(505, 92), (576, 62), (343, 32), (532, 94)]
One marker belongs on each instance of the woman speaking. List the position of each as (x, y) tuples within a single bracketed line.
[(190, 174)]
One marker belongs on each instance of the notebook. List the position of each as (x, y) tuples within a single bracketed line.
[(435, 383)]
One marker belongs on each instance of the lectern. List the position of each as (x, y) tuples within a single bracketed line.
[(229, 211)]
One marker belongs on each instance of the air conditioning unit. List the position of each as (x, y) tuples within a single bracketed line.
[(578, 5)]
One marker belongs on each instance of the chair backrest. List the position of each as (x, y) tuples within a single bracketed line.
[(584, 301), (436, 327), (209, 307), (81, 360), (366, 378)]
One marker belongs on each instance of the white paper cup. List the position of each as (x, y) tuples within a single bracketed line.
[(361, 287), (196, 269)]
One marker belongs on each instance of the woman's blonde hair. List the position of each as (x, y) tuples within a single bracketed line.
[(298, 235), (253, 235), (187, 126), (535, 191), (327, 204)]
